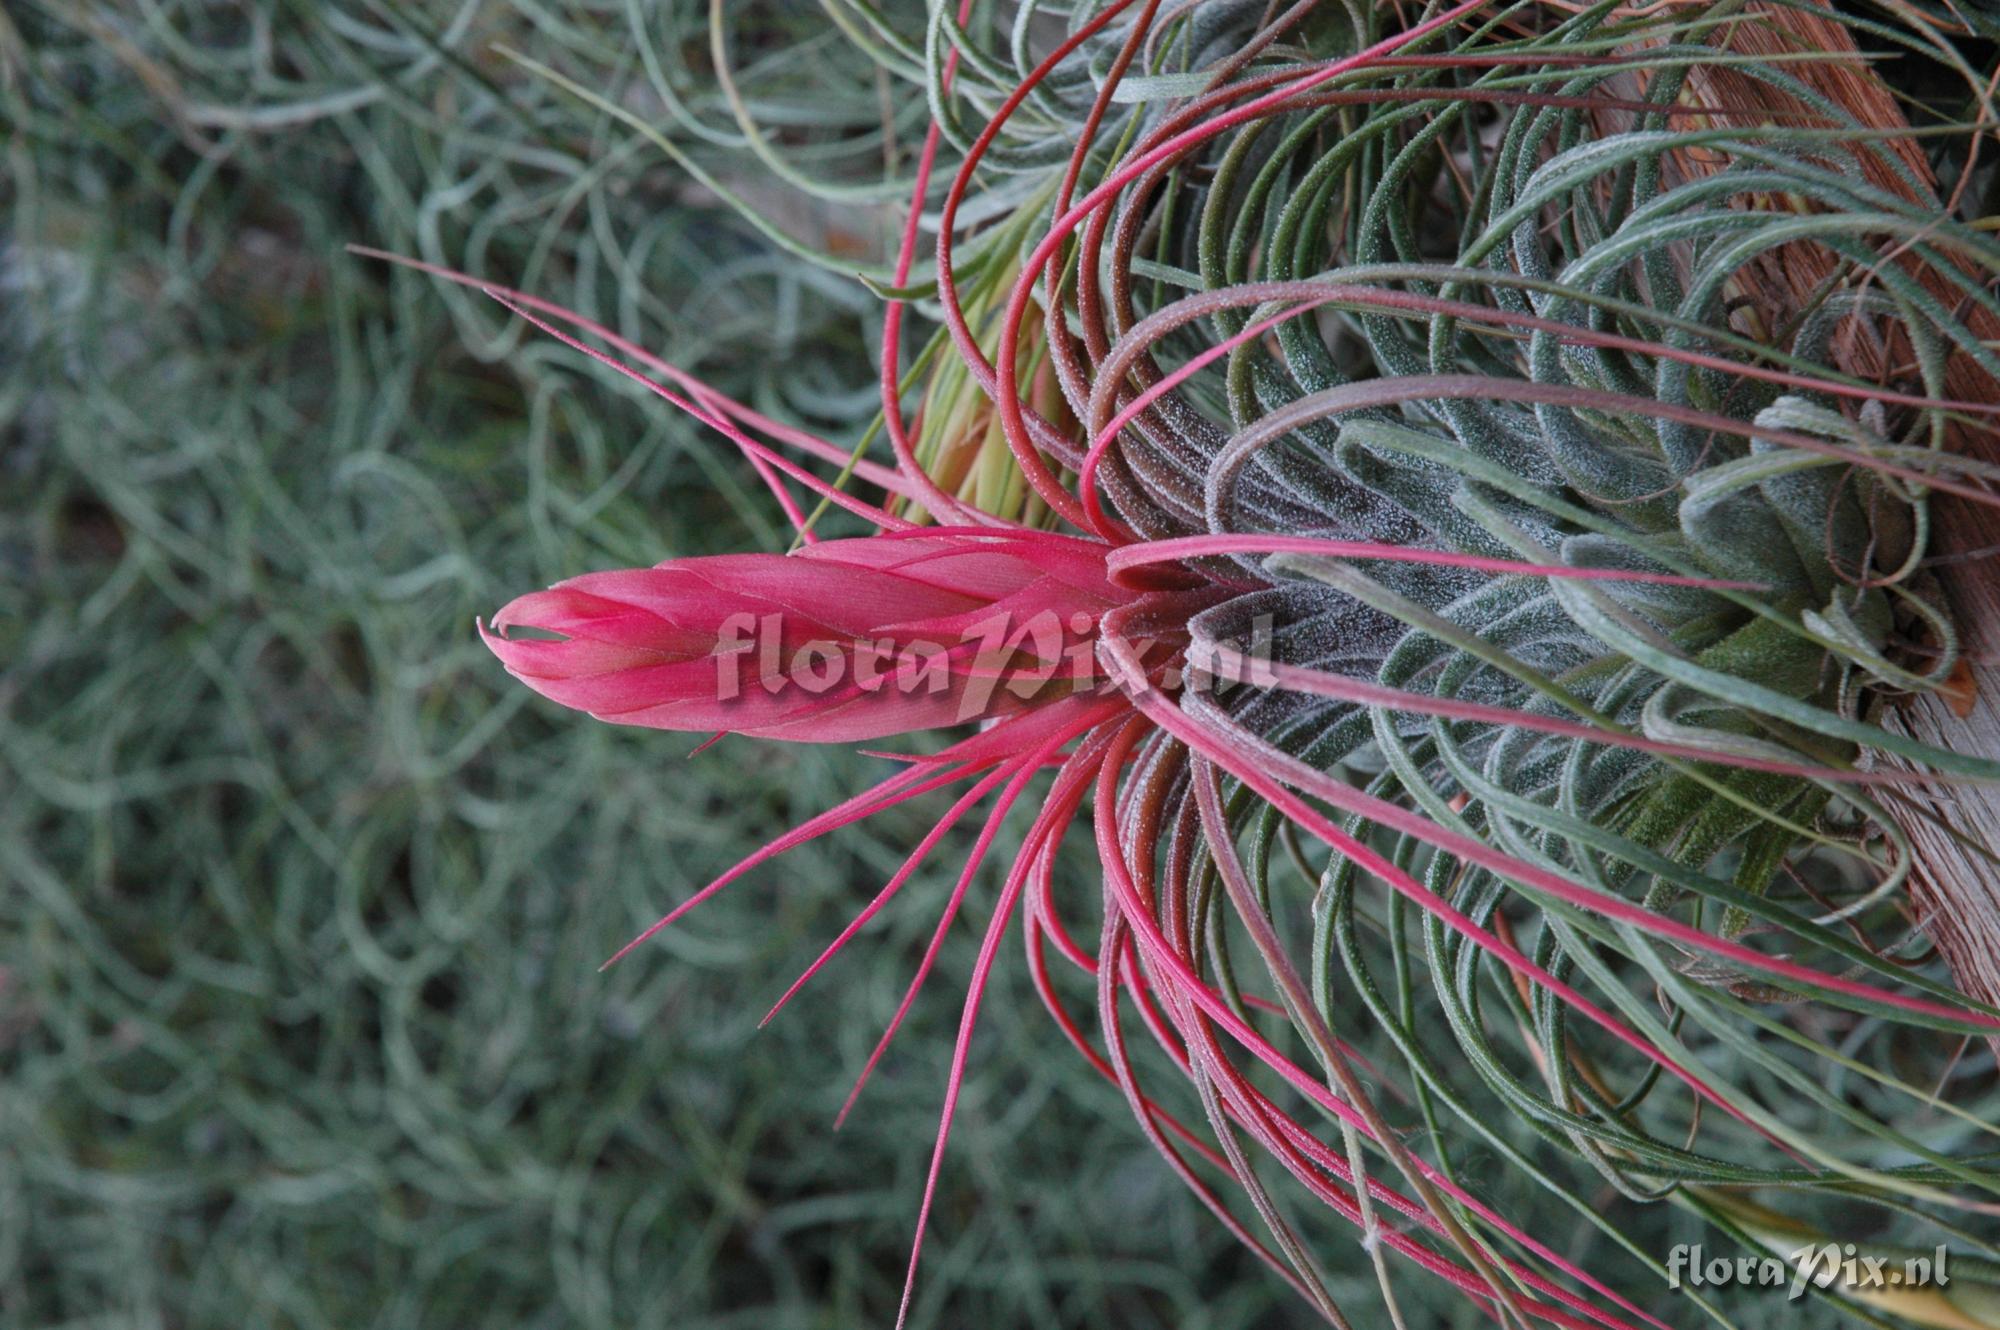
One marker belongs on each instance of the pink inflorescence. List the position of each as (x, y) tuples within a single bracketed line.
[(848, 640)]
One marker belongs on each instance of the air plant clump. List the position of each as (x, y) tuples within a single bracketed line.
[(1537, 414)]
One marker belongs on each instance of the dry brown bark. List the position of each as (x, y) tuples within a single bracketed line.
[(1954, 889)]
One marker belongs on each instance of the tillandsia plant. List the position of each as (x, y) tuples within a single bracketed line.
[(1443, 493)]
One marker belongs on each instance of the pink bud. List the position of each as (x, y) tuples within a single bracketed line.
[(842, 641)]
